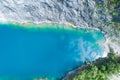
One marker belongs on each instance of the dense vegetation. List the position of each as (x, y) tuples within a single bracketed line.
[(111, 6), (100, 69), (104, 67)]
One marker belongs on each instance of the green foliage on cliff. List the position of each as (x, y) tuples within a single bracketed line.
[(100, 69), (111, 6)]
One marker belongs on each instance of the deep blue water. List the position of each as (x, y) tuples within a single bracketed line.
[(49, 53)]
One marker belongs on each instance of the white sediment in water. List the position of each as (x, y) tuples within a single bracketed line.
[(75, 13), (105, 44), (114, 77), (79, 14)]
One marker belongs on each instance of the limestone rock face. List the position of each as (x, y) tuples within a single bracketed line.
[(81, 13)]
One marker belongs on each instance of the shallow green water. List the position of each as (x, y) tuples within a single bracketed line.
[(50, 51)]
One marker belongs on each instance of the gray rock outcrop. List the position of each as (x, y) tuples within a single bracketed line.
[(81, 13)]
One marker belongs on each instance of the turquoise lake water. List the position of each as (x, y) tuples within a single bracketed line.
[(27, 54)]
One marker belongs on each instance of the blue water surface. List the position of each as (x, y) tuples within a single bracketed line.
[(26, 55)]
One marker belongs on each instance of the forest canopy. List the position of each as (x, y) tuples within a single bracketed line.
[(100, 69)]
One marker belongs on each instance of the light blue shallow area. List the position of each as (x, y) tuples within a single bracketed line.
[(46, 53)]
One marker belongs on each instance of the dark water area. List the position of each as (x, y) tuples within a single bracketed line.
[(28, 54)]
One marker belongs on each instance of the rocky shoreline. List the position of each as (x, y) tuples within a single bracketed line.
[(111, 76), (75, 13), (106, 43)]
